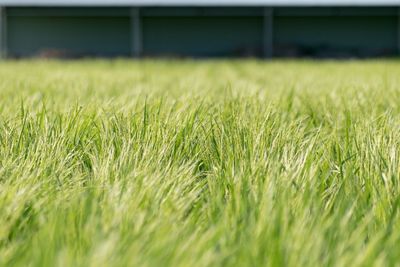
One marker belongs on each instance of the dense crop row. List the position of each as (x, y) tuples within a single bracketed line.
[(180, 163)]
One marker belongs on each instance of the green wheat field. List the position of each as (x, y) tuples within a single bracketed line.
[(199, 163)]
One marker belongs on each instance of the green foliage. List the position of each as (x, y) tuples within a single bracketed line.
[(208, 163)]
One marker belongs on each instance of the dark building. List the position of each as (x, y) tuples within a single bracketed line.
[(199, 28)]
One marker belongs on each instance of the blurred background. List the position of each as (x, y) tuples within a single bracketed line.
[(199, 29)]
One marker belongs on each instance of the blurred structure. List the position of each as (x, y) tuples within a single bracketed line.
[(199, 28)]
